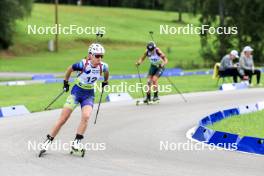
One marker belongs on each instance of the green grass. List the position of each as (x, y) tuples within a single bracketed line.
[(245, 125), (125, 39), (36, 97), (13, 79)]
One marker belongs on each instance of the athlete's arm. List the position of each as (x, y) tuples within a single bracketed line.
[(68, 73), (142, 59), (106, 75), (66, 85), (163, 57)]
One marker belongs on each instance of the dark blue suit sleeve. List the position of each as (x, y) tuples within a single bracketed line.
[(78, 66)]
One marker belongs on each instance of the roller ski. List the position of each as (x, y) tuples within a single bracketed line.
[(77, 149), (45, 145), (148, 100), (139, 102)]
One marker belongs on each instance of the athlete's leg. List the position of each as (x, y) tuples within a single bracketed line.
[(155, 87), (65, 114), (87, 108), (155, 83), (69, 106), (149, 83), (86, 113)]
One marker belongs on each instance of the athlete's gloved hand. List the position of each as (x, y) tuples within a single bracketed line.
[(66, 85), (162, 65), (137, 64), (105, 83)]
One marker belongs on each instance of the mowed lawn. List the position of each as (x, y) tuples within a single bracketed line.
[(245, 125), (125, 39), (36, 97)]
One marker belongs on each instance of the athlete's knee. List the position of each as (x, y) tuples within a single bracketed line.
[(65, 114), (86, 114), (62, 120), (150, 82), (155, 80), (85, 118)]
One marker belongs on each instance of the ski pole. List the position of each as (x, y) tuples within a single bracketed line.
[(140, 81), (55, 99), (98, 34), (151, 35), (99, 106), (173, 85)]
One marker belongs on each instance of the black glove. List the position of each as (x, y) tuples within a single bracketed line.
[(66, 85), (105, 83), (161, 66)]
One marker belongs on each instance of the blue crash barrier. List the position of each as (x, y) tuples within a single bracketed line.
[(228, 140), (1, 114), (231, 112), (248, 108), (57, 80), (114, 97), (201, 73), (233, 86), (172, 72), (260, 105), (13, 110), (205, 121), (188, 73), (203, 134), (225, 140), (41, 77), (251, 144), (217, 116), (241, 85)]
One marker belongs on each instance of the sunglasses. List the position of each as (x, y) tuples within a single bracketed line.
[(98, 56)]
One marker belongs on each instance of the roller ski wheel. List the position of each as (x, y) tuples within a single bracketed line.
[(41, 153), (78, 152), (154, 102), (138, 102)]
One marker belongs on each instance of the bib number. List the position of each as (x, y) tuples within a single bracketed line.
[(91, 80)]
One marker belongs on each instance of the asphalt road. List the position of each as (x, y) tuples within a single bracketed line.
[(131, 136)]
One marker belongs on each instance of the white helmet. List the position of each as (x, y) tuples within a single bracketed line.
[(96, 49)]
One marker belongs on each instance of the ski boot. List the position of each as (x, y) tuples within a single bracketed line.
[(45, 145), (76, 147), (155, 98), (147, 99)]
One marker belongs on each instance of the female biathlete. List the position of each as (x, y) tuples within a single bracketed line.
[(157, 65), (82, 92)]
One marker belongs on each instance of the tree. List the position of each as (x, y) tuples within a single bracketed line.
[(246, 15), (177, 5), (10, 11)]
